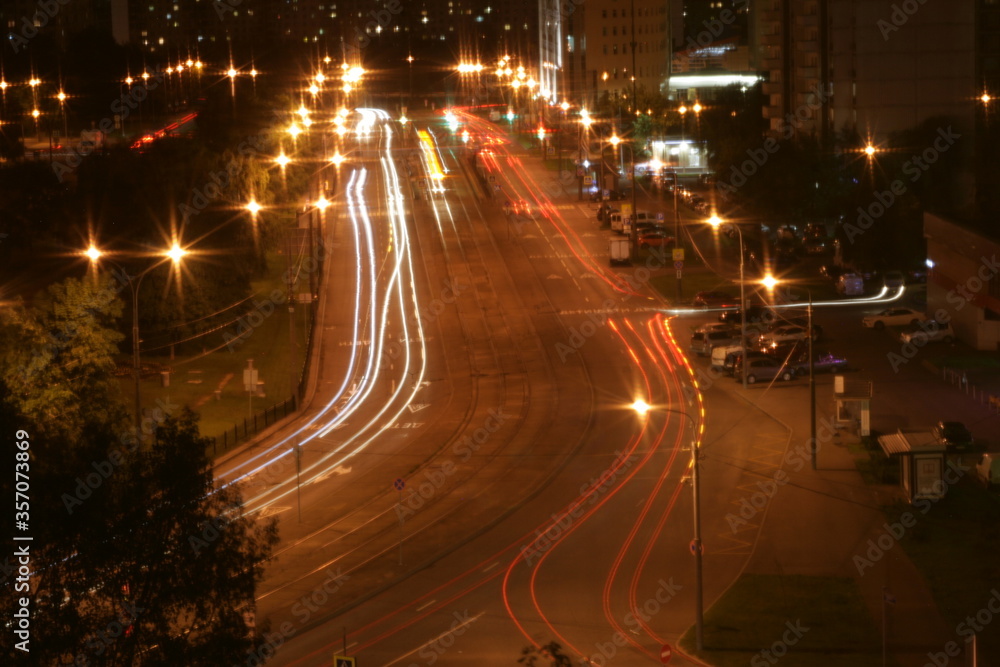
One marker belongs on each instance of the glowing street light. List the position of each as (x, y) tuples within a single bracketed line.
[(337, 159), (322, 203), (283, 160), (253, 207), (175, 253), (870, 150), (231, 73)]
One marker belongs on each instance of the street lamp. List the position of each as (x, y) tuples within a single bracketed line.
[(715, 221), (174, 254), (643, 408)]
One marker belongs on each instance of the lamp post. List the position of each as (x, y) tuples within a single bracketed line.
[(584, 154), (174, 254), (643, 408), (770, 283), (715, 221)]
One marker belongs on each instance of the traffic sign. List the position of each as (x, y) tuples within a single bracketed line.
[(694, 546), (666, 653), (678, 265), (343, 661), (399, 484), (678, 254), (659, 217)]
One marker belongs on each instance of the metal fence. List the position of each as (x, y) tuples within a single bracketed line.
[(252, 425)]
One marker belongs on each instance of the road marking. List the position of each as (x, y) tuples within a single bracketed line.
[(271, 510), (490, 567), (414, 407), (422, 607)]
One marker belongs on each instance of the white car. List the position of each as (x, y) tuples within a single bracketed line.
[(891, 317), (929, 331), (783, 334)]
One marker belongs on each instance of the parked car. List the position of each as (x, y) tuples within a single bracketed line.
[(733, 354), (953, 434), (784, 334), (655, 238), (929, 331), (823, 362), (703, 340), (715, 299), (892, 317), (604, 211), (649, 226), (754, 314), (764, 368)]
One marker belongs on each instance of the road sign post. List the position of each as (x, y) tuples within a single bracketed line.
[(666, 653)]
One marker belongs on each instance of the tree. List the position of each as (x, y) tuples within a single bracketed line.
[(551, 653), (136, 558), (59, 351)]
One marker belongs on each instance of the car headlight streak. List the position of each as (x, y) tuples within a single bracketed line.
[(379, 300)]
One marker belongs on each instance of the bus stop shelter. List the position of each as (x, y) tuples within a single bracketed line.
[(921, 460)]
